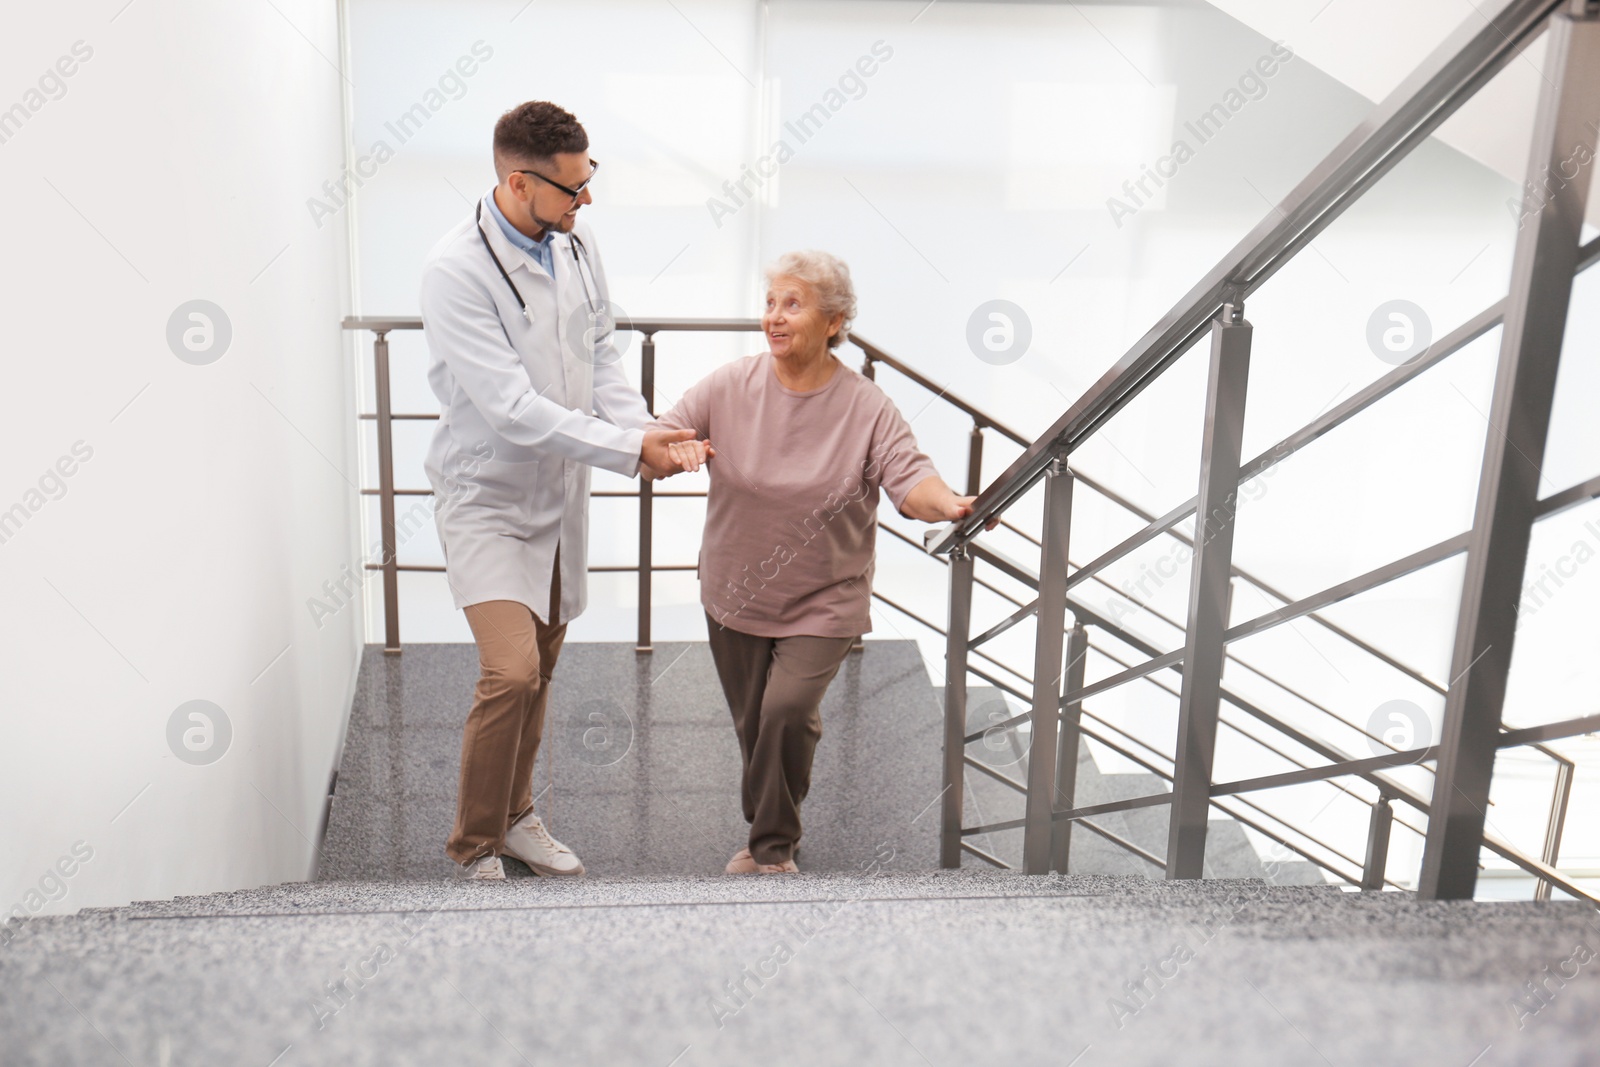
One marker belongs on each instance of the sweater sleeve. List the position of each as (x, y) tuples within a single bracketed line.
[(896, 464), (693, 410)]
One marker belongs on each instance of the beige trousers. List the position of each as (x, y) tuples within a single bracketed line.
[(516, 657)]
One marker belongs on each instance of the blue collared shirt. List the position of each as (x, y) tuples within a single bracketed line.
[(539, 250)]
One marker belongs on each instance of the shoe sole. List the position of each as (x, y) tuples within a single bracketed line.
[(550, 872), (546, 872)]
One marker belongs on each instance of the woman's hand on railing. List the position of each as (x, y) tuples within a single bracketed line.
[(965, 509), (931, 500)]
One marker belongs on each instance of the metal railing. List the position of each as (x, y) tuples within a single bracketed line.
[(385, 416), (645, 568), (1532, 319)]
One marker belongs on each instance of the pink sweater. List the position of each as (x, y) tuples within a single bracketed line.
[(791, 518)]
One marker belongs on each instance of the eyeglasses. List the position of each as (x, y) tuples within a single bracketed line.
[(574, 193)]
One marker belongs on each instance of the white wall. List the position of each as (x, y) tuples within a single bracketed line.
[(175, 563)]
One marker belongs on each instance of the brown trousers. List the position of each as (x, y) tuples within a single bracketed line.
[(774, 687), (516, 657)]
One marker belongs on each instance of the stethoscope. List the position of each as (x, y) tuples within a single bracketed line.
[(574, 242)]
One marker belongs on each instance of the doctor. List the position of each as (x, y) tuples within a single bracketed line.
[(532, 396)]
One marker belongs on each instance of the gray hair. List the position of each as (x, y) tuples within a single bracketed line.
[(828, 275)]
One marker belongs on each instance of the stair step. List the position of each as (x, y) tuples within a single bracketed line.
[(639, 970), (312, 898), (621, 891)]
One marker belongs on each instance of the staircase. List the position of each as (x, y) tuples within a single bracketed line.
[(872, 955), (877, 953)]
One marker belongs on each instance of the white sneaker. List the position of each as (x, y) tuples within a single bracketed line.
[(483, 869), (531, 843)]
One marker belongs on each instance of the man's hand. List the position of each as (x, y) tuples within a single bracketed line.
[(656, 458)]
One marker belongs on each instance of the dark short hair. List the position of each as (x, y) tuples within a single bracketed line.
[(535, 132)]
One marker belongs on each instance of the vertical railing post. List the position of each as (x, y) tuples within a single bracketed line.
[(1047, 641), (390, 564), (647, 386), (1067, 748), (869, 372), (1560, 170), (957, 628), (1562, 795), (1379, 824), (975, 460), (1204, 648)]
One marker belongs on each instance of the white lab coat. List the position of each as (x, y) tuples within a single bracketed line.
[(523, 418)]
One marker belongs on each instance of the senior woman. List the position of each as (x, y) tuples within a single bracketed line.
[(798, 447)]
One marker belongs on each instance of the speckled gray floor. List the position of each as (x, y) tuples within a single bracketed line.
[(644, 762), (880, 961), (959, 968)]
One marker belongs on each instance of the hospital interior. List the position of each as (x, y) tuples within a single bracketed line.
[(1246, 713)]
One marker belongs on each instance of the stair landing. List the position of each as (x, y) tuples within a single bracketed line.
[(639, 769)]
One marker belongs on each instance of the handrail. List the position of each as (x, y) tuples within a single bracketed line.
[(1474, 328), (1339, 763), (1231, 656), (1136, 759), (875, 354), (1451, 74), (1366, 767), (382, 325), (1020, 573), (1549, 255), (385, 323), (1463, 335), (1546, 874)]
